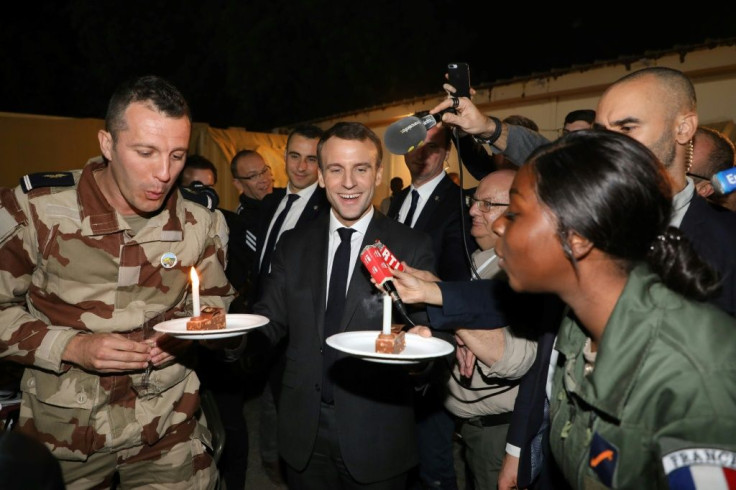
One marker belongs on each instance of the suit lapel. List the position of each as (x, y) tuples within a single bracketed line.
[(319, 249), (425, 217), (360, 289), (315, 205), (268, 209), (393, 210)]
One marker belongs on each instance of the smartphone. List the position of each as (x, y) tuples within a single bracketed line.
[(458, 75)]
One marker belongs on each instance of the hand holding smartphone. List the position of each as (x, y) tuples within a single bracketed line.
[(458, 75)]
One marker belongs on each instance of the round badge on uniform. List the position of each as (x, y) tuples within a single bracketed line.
[(168, 260)]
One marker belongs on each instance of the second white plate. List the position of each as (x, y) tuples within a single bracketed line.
[(363, 344)]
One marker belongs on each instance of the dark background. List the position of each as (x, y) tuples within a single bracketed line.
[(259, 65)]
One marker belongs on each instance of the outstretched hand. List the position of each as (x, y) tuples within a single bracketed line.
[(413, 289), (467, 117)]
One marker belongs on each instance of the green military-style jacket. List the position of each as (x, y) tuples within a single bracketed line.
[(659, 408), (71, 265)]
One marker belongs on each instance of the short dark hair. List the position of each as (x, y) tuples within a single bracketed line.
[(614, 192), (309, 131), (397, 183), (350, 131), (587, 115), (238, 156), (722, 155), (159, 93), (201, 163), (519, 120)]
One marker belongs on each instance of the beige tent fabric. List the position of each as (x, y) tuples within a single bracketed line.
[(32, 143), (221, 145)]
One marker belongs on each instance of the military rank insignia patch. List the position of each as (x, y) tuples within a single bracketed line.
[(700, 468), (46, 179), (603, 459)]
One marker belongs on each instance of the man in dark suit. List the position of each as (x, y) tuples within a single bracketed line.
[(433, 203), (301, 169), (343, 422), (293, 206), (439, 209)]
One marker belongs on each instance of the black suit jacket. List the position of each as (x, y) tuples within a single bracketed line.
[(316, 206), (528, 414), (443, 218), (373, 402), (712, 231)]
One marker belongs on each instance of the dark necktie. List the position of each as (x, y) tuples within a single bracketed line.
[(273, 236), (412, 207), (335, 305)]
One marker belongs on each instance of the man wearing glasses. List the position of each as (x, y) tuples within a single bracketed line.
[(251, 177), (253, 180), (485, 378)]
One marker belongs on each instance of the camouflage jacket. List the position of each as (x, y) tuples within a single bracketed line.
[(70, 265)]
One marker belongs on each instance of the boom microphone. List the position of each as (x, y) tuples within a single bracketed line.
[(724, 182), (409, 133), (381, 274)]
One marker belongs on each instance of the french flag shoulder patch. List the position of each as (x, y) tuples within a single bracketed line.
[(700, 468)]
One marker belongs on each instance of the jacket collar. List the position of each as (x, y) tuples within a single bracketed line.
[(100, 218), (629, 336)]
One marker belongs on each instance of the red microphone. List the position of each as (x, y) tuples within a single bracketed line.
[(381, 274)]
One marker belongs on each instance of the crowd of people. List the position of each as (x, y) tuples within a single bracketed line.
[(587, 286)]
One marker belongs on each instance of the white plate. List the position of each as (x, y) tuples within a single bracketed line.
[(235, 324), (363, 344)]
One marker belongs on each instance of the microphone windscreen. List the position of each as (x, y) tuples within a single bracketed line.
[(405, 135)]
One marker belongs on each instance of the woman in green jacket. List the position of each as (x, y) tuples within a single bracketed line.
[(644, 392)]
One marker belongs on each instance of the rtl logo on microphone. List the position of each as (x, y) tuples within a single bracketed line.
[(373, 262), (389, 257)]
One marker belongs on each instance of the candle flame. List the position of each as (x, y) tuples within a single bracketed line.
[(195, 278)]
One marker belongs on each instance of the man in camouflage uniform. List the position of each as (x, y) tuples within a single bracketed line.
[(83, 256)]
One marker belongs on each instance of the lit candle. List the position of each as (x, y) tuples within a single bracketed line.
[(195, 292), (386, 314)]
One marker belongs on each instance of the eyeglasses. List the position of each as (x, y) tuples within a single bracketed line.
[(265, 170), (483, 205)]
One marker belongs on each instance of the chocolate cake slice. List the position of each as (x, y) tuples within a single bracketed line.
[(390, 343), (210, 318)]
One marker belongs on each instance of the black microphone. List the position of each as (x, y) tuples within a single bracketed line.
[(409, 133), (396, 300)]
